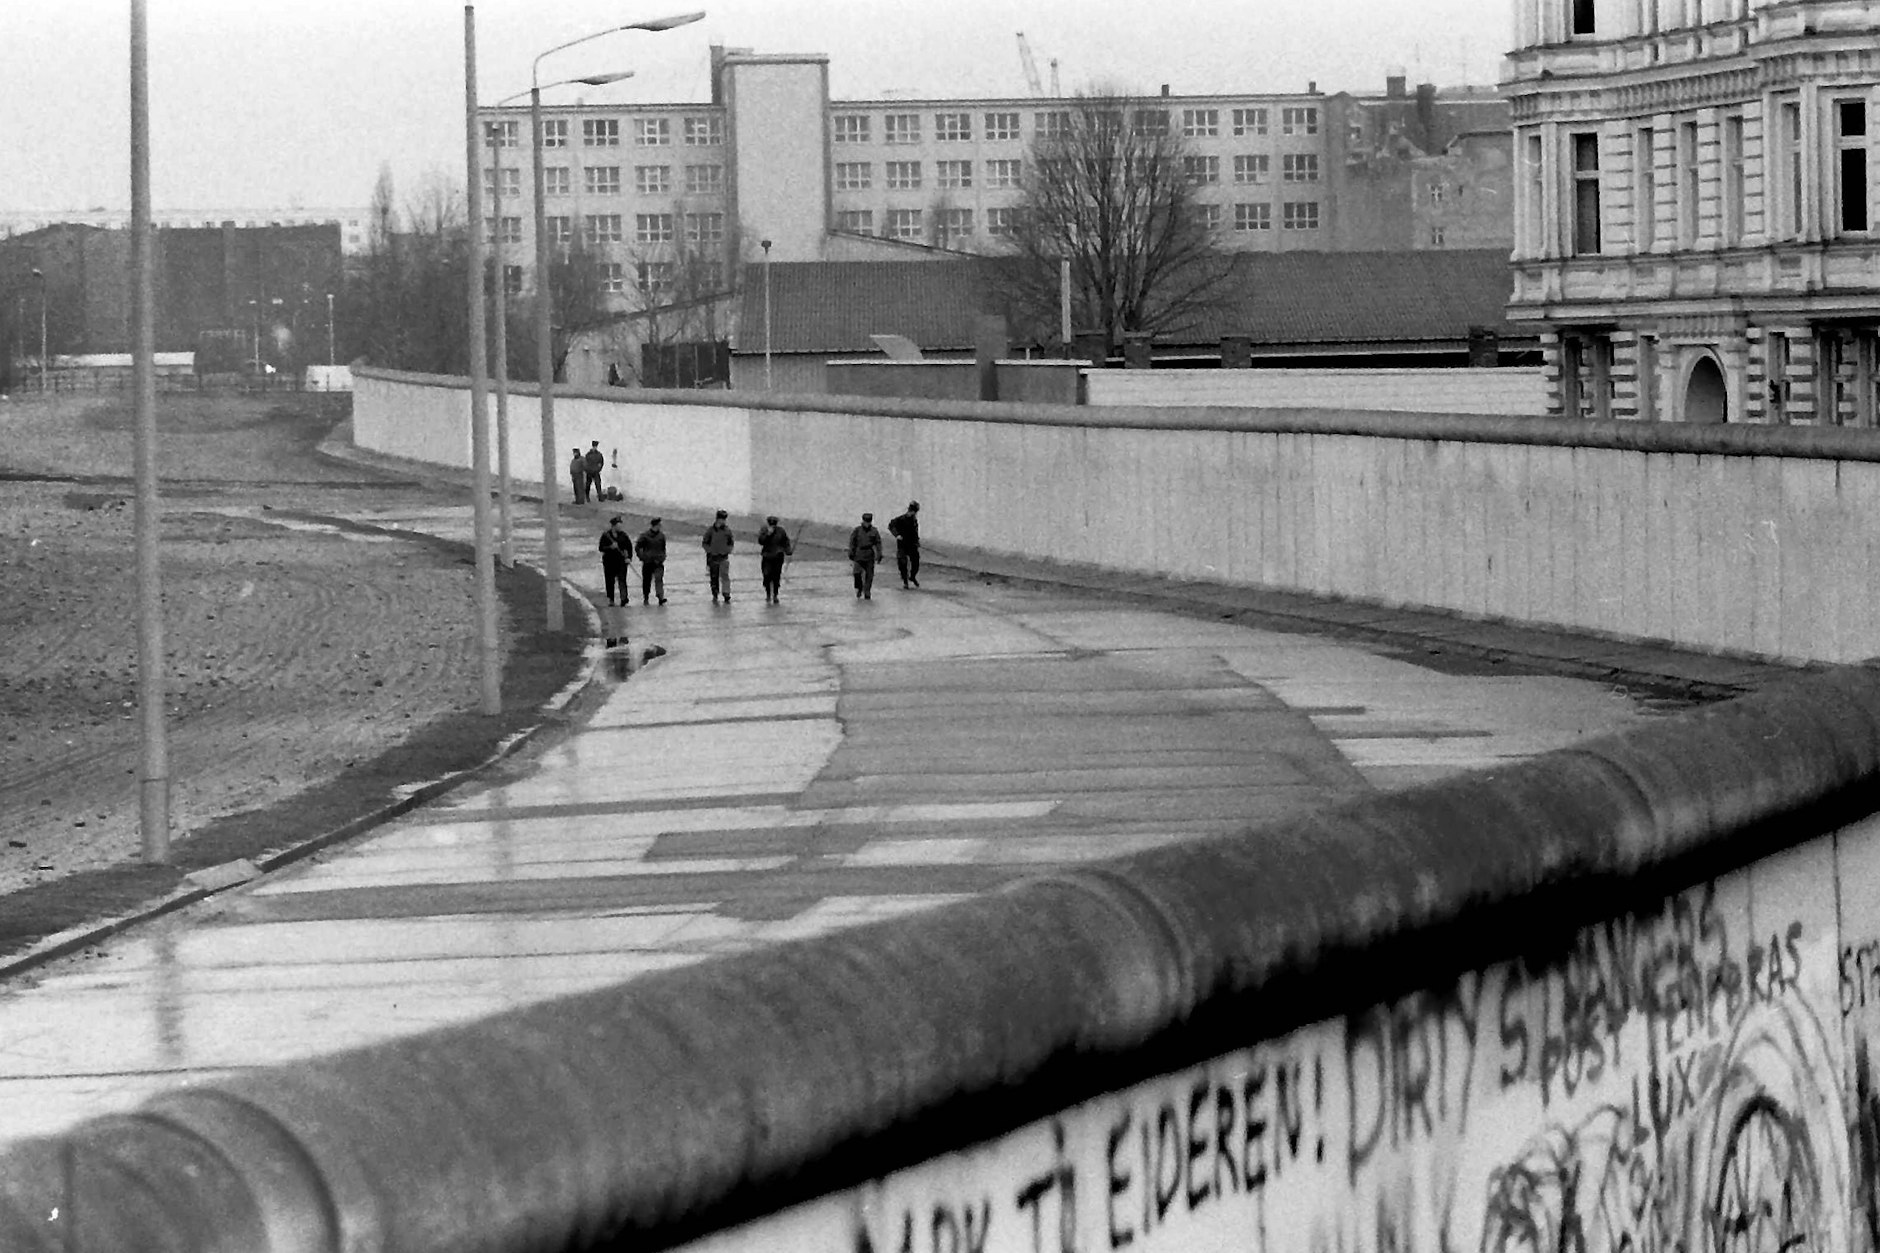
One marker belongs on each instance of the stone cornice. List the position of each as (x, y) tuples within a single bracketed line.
[(1670, 88)]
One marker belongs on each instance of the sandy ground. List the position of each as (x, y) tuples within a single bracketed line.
[(295, 652)]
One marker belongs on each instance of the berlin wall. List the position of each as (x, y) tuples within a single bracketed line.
[(1754, 540)]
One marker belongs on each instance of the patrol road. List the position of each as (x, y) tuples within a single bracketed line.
[(783, 770)]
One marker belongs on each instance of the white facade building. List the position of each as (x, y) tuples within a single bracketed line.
[(1695, 226)]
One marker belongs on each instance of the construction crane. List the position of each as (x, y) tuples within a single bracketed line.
[(1031, 66)]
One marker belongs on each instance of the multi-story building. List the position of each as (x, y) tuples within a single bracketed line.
[(1695, 224), (672, 194), (354, 223)]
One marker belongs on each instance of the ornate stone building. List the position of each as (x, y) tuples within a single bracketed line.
[(1695, 206)]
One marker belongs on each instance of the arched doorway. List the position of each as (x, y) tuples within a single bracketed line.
[(1706, 398)]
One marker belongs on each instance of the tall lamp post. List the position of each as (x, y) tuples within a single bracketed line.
[(153, 786), (484, 585), (330, 354), (544, 343), (503, 543)]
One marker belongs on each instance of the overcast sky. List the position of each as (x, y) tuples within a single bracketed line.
[(259, 103)]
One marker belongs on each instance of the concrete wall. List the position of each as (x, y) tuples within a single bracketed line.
[(1517, 390), (1756, 540), (1621, 996)]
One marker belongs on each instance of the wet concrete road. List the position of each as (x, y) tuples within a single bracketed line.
[(783, 770)]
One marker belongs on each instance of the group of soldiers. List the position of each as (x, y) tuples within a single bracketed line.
[(775, 547)]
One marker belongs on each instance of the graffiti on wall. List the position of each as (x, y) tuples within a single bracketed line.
[(1699, 1079)]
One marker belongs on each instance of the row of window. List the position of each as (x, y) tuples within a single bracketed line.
[(1295, 215), (905, 128), (604, 132), (650, 277), (604, 180), (1690, 167), (1249, 169), (610, 228)]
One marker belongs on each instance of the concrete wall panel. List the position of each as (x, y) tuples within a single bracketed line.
[(1519, 391), (1701, 536)]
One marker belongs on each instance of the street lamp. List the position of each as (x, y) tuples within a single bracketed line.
[(544, 344), (765, 244), (330, 355), (153, 787), (40, 276), (503, 544), (484, 585)]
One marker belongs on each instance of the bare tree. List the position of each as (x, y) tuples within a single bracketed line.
[(1106, 188)]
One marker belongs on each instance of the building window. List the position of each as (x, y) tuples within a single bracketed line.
[(512, 229), (1054, 125), (1644, 189), (704, 180), (1688, 175), (851, 128), (555, 133), (900, 128), (951, 224), (1436, 237), (1789, 130), (1199, 170), (707, 131), (1435, 192), (1301, 215), (600, 132), (613, 278), (1583, 17), (1004, 173), (603, 228), (555, 179), (602, 180), (953, 128), (705, 228), (1299, 120), (904, 224), (1251, 169), (560, 231), (1300, 167), (1201, 123), (650, 131), (857, 221), (1152, 121), (1209, 215), (655, 277), (1533, 198), (512, 280), (1249, 121), (504, 134), (957, 174), (1001, 126), (1733, 179), (1850, 172), (652, 228), (855, 175), (1585, 193), (512, 182), (1254, 217), (1001, 221), (903, 176), (1354, 134), (652, 180), (1104, 121)]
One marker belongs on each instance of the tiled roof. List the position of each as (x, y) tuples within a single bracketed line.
[(1361, 297), (834, 306), (1273, 298)]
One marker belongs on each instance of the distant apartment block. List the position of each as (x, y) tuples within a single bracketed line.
[(1695, 234), (354, 222), (772, 156)]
